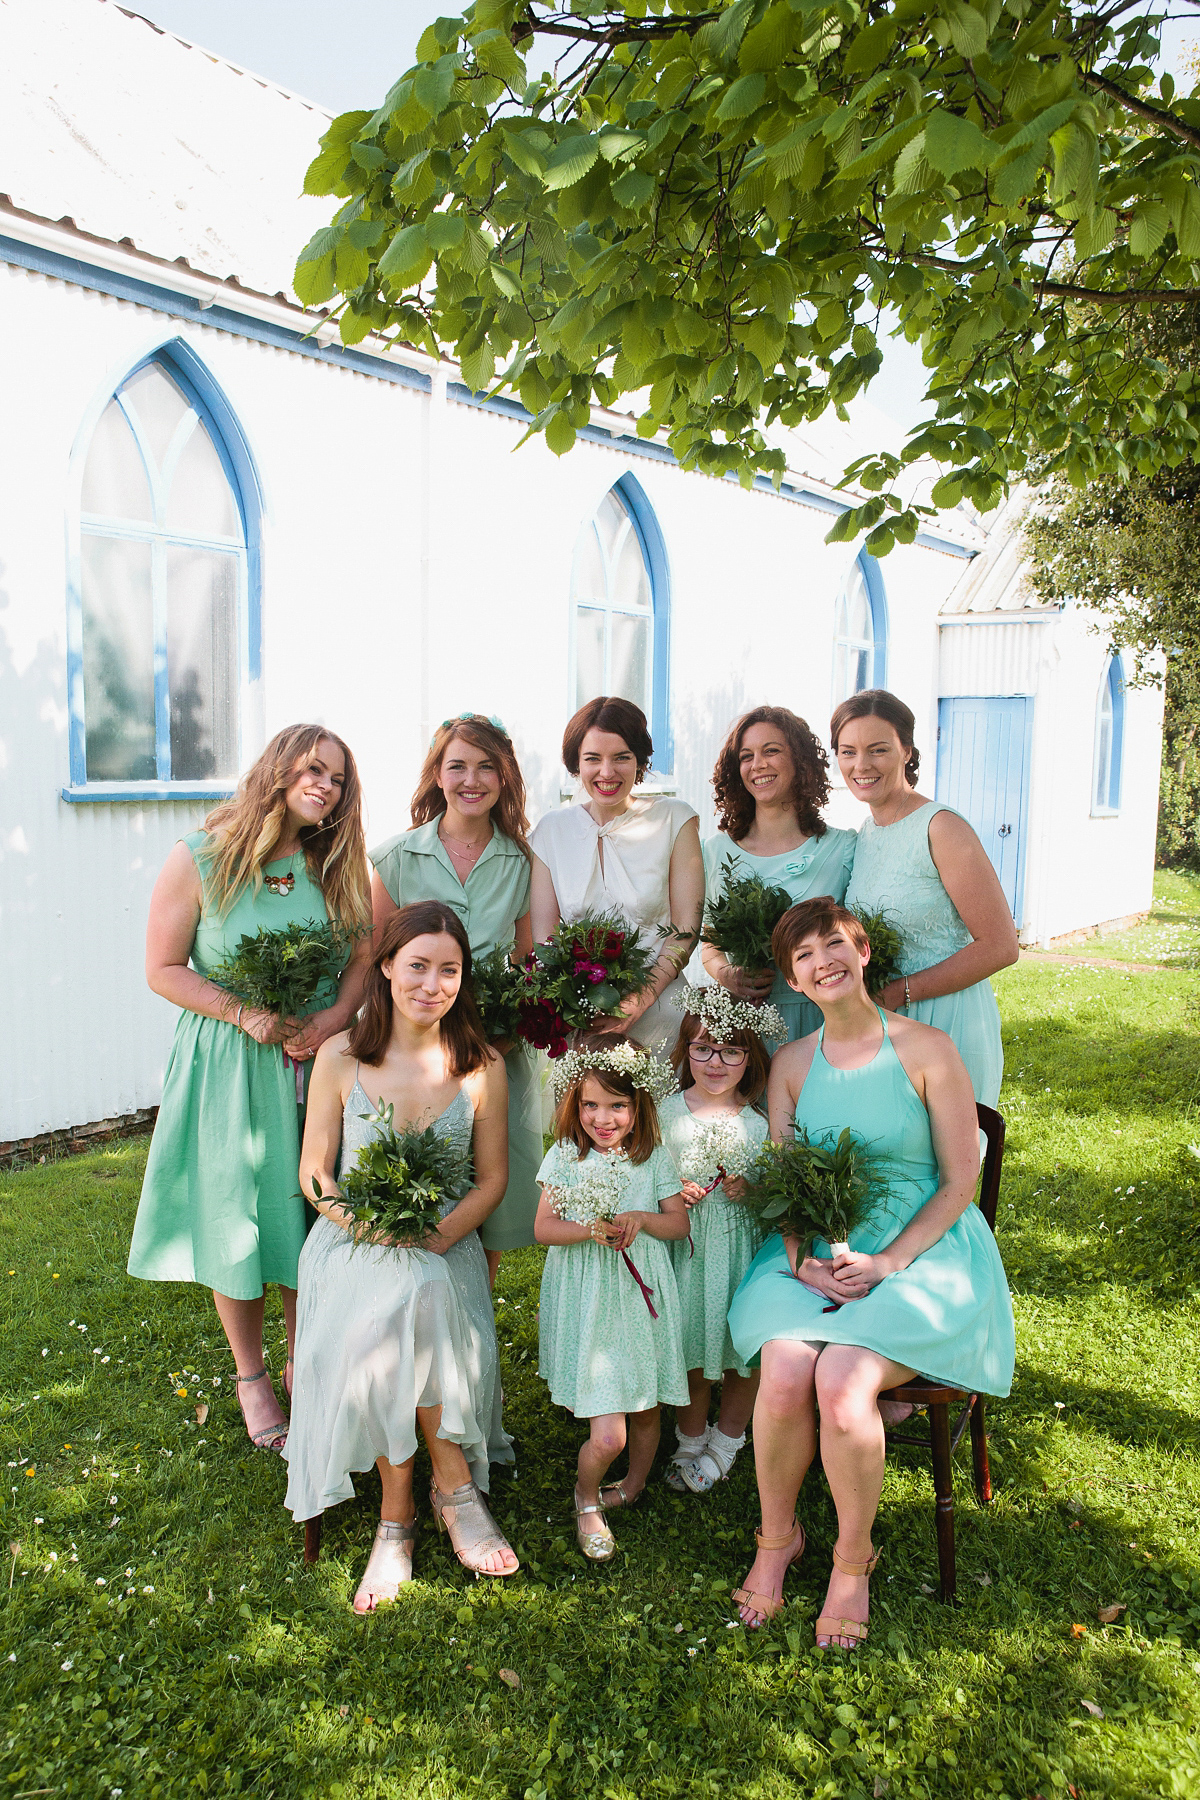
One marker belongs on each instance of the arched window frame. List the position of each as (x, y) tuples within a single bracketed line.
[(202, 391), (654, 553), (877, 599), (1108, 755)]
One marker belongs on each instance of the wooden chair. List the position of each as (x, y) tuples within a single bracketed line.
[(943, 1439), (312, 1538)]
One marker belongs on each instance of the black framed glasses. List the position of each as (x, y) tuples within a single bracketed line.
[(729, 1054)]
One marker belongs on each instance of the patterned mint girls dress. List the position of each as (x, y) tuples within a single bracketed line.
[(724, 1240), (599, 1347), (221, 1200), (948, 1315), (380, 1332), (894, 873)]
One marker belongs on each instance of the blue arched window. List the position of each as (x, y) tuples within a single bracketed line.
[(1110, 739), (860, 631), (163, 626), (620, 609)]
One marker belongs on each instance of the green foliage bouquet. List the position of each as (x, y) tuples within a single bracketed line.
[(281, 971), (887, 949), (499, 989), (806, 1190), (739, 922), (400, 1183), (583, 972)]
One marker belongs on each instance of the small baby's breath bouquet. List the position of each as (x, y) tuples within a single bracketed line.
[(401, 1181), (716, 1152), (739, 922), (887, 950), (281, 971), (806, 1190), (591, 1191)]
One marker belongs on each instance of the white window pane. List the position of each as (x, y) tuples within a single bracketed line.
[(631, 579), (858, 609), (114, 477), (860, 659), (1103, 783), (587, 571), (118, 659), (202, 662), (201, 499), (589, 655), (611, 521), (630, 659), (159, 405)]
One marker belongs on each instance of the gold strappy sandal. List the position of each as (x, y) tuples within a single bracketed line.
[(624, 1503), (762, 1603), (597, 1546), (854, 1629), (473, 1533)]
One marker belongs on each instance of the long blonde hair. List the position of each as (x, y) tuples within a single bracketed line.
[(247, 829), (429, 802)]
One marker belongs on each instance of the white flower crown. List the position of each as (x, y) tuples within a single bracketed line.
[(722, 1015), (640, 1066)]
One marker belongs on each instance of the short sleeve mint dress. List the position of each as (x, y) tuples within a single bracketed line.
[(221, 1200), (948, 1315), (415, 866), (380, 1332), (894, 873), (709, 1265), (820, 865), (599, 1347)]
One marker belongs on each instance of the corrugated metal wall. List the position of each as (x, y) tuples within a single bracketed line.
[(991, 659)]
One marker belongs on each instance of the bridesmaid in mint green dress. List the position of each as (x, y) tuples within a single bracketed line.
[(468, 849), (220, 1202), (920, 1289), (922, 865), (771, 781)]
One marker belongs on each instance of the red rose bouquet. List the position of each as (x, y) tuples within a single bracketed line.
[(582, 973)]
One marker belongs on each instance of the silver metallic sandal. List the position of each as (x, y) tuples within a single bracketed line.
[(597, 1546), (473, 1533), (392, 1549)]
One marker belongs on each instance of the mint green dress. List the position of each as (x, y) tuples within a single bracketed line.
[(948, 1315), (709, 1265), (599, 1348), (221, 1200), (415, 866), (894, 873), (821, 865)]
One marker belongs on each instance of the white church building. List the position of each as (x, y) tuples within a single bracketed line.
[(214, 521)]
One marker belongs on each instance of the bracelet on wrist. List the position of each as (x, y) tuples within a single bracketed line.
[(238, 1020), (907, 995)]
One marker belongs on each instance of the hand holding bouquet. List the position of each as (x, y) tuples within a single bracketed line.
[(807, 1191), (582, 973), (739, 922), (401, 1181), (281, 971), (593, 1192), (716, 1153)]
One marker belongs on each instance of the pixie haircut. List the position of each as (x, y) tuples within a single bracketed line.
[(608, 712), (810, 782), (644, 1136), (877, 703), (821, 915), (758, 1064), (462, 1035)]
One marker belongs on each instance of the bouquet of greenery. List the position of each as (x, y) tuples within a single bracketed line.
[(400, 1182), (806, 1190), (742, 917), (887, 949), (499, 989), (281, 971), (584, 972)]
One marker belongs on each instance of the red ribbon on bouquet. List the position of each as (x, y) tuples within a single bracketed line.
[(289, 1062), (646, 1291)]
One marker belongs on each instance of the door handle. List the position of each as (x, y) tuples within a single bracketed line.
[(1004, 831)]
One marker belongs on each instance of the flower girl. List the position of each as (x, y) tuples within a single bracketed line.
[(609, 1336), (714, 1133)]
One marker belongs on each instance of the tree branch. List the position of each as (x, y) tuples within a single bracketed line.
[(1166, 120), (642, 31)]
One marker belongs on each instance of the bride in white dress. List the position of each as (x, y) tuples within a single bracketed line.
[(391, 1342), (612, 852)]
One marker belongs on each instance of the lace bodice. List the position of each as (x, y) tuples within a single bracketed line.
[(895, 874), (457, 1123)]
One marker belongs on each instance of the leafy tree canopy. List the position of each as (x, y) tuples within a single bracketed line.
[(708, 206)]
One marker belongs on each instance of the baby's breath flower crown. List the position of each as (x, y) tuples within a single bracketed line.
[(722, 1015), (641, 1067)]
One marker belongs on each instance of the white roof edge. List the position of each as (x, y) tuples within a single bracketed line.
[(263, 81)]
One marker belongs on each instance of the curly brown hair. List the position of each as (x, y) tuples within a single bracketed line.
[(810, 788)]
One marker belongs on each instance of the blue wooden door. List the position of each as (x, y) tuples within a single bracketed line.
[(983, 773)]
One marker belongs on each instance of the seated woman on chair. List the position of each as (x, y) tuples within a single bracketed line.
[(921, 1289)]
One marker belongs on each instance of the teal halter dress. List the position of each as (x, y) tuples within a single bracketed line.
[(949, 1314)]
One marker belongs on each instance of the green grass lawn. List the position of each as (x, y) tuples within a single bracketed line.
[(160, 1635), (1170, 935)]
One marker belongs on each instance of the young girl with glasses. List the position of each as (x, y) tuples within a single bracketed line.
[(713, 1132)]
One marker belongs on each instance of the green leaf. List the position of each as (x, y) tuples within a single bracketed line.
[(911, 172), (494, 52), (765, 44), (968, 31), (569, 161), (741, 99), (527, 156), (325, 171), (1151, 222), (953, 144), (432, 88), (407, 258), (478, 366), (560, 433), (870, 47), (616, 145), (444, 231), (633, 189)]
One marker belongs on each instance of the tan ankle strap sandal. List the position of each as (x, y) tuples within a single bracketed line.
[(854, 1629), (763, 1603)]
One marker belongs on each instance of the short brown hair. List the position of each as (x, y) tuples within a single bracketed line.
[(810, 784), (820, 914), (608, 712), (429, 802), (758, 1063), (644, 1136), (462, 1034), (877, 703)]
